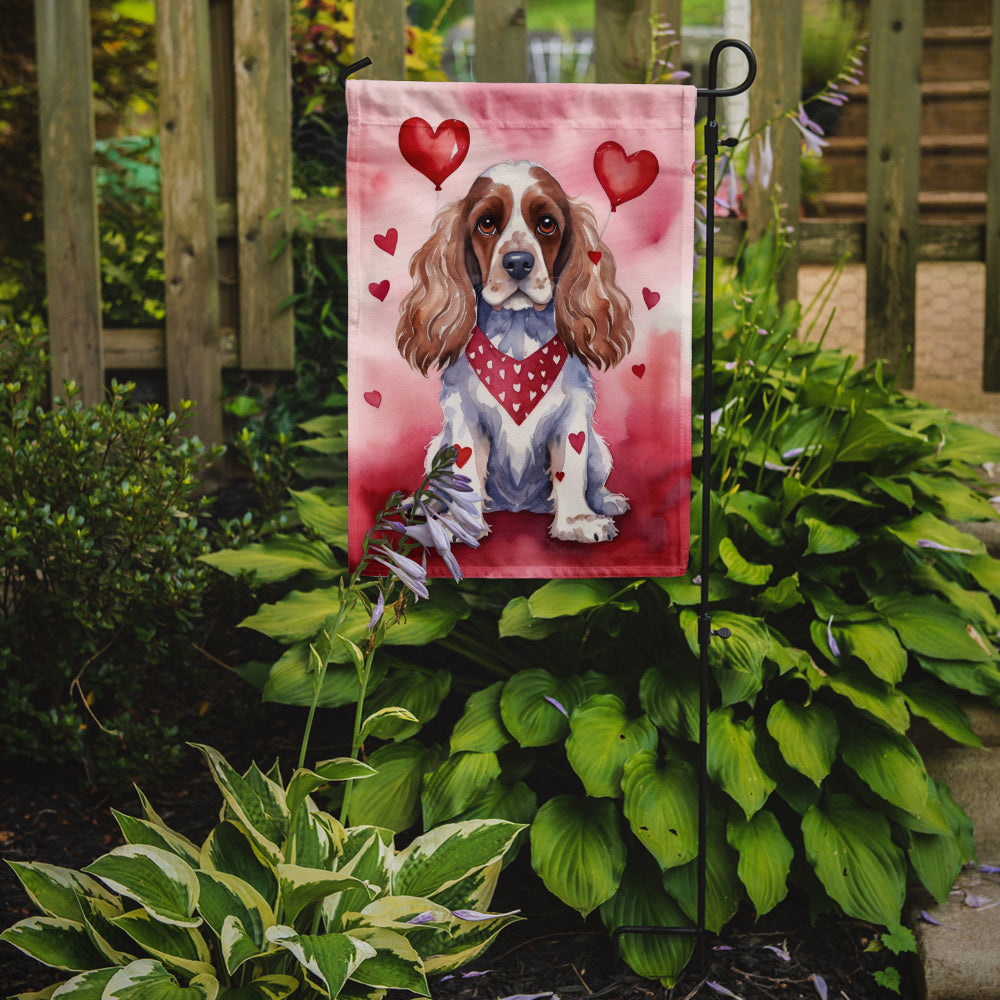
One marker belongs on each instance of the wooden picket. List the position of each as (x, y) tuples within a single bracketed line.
[(226, 161)]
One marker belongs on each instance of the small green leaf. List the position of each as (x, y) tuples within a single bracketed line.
[(888, 763), (327, 520), (936, 704), (561, 598), (481, 727), (671, 700), (807, 736), (279, 558), (828, 539), (456, 784), (930, 627), (739, 569), (535, 706), (391, 798), (732, 760), (517, 620), (765, 858)]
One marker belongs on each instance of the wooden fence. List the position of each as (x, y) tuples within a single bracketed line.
[(226, 161)]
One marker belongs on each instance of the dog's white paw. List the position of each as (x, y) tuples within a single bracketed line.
[(613, 504), (587, 528)]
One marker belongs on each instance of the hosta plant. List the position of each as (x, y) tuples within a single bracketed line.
[(279, 900)]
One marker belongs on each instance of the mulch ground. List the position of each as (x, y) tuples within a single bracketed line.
[(551, 952)]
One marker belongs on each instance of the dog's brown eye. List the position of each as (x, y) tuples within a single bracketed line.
[(547, 225), (487, 225)]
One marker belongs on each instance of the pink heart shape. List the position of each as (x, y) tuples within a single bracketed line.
[(436, 153), (650, 298), (595, 256), (638, 370), (387, 242), (576, 440), (380, 289), (374, 398), (622, 176)]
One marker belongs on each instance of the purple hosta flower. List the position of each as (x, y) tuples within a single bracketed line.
[(990, 869), (927, 543), (780, 952), (820, 984), (531, 996), (761, 163), (812, 134), (927, 918), (411, 574), (729, 202), (719, 988), (377, 612), (558, 705), (427, 917), (475, 915), (465, 975), (834, 648)]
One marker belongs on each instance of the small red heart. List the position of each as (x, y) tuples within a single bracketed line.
[(650, 298), (464, 454), (380, 289), (576, 440), (595, 256), (374, 398), (638, 370), (560, 476), (387, 242)]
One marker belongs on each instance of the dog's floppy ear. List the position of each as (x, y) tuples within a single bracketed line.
[(593, 313), (439, 313)]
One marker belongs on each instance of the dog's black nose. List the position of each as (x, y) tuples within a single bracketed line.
[(518, 264)]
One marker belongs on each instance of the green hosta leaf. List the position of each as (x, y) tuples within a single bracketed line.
[(928, 528), (260, 809), (391, 798), (893, 488), (292, 680), (738, 569), (723, 889), (661, 799), (366, 855), (141, 831), (54, 941), (517, 620), (230, 849), (827, 539), (783, 595), (86, 986), (641, 901), (528, 710), (279, 558), (683, 592), (425, 621), (758, 511), (98, 916), (807, 736), (850, 847), (765, 858), (438, 859), (481, 728), (387, 723), (560, 598), (226, 898), (304, 782), (932, 628), (466, 941), (876, 646), (975, 605), (417, 690), (325, 519), (986, 571), (159, 881), (870, 436), (180, 948), (602, 738), (330, 959), (888, 763), (941, 709), (976, 678), (957, 501), (866, 692), (937, 858), (578, 851), (738, 661), (671, 700), (274, 987), (395, 964), (732, 760), (56, 891), (516, 803), (965, 443), (456, 784), (147, 979), (301, 887)]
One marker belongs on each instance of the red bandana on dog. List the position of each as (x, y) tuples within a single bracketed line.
[(518, 386)]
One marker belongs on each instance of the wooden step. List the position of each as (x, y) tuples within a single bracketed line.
[(956, 53), (940, 13), (958, 206)]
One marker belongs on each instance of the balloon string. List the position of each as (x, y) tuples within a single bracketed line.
[(605, 226)]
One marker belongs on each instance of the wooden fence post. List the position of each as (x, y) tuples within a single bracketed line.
[(892, 215), (991, 333), (621, 40), (776, 35), (72, 255), (262, 61), (501, 41), (190, 251), (380, 34)]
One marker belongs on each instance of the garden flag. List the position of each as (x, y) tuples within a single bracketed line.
[(520, 289)]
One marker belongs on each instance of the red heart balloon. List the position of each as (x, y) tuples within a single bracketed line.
[(436, 153), (624, 177)]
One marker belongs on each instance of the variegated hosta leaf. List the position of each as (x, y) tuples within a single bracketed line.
[(225, 897), (98, 915), (86, 986), (275, 987), (481, 727), (578, 851), (230, 849), (54, 941), (535, 706), (466, 941), (177, 947), (456, 784), (141, 831), (765, 858), (256, 801), (476, 890), (732, 760), (391, 799), (367, 853), (661, 805), (515, 803), (304, 782), (395, 964), (807, 736), (329, 959), (56, 891), (158, 880), (888, 763), (301, 887), (149, 980), (315, 838), (602, 737), (642, 902), (850, 847), (441, 857)]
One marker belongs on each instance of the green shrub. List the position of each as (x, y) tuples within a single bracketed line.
[(99, 542)]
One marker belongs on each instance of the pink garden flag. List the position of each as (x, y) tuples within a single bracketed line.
[(520, 289)]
